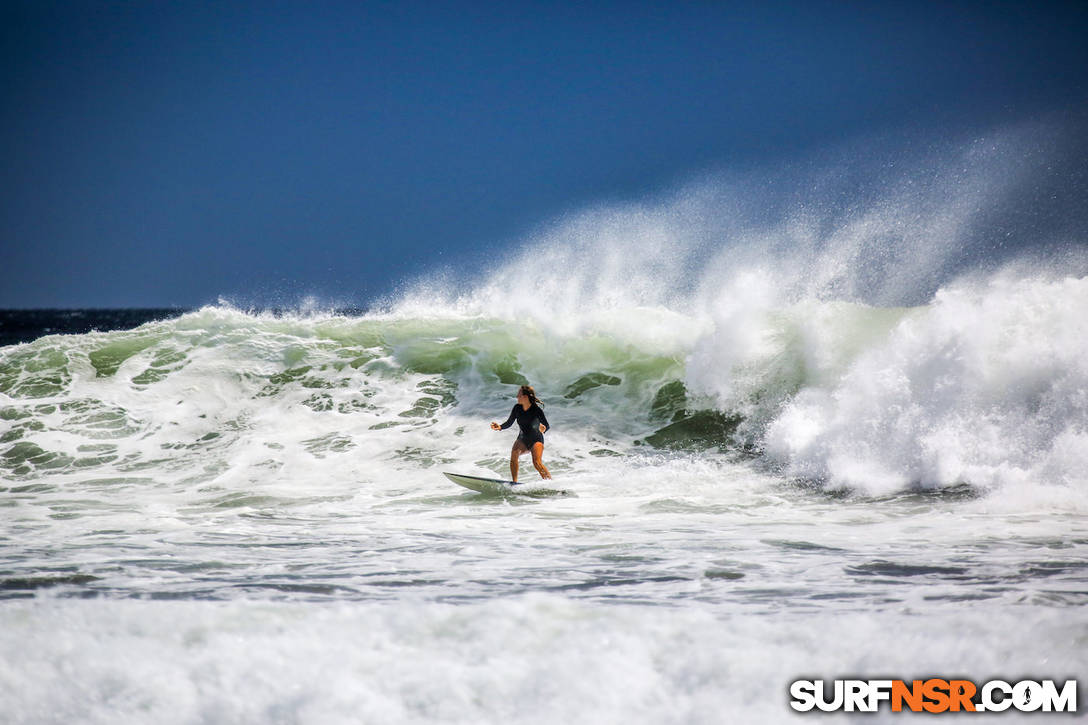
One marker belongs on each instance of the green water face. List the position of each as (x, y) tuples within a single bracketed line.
[(698, 431), (589, 382), (108, 358)]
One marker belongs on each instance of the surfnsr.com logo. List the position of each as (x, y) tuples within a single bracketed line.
[(934, 695)]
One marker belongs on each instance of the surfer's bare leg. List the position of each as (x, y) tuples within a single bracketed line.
[(538, 460), (515, 453)]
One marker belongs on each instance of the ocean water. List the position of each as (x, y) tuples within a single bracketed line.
[(854, 444)]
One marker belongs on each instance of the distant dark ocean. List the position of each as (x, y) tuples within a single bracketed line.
[(27, 325)]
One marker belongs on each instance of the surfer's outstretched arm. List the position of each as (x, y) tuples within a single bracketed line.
[(509, 421)]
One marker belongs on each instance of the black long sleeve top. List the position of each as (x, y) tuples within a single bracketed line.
[(528, 420)]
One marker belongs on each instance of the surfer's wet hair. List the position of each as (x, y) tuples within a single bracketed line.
[(527, 391)]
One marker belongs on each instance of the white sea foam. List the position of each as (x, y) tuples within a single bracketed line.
[(535, 659), (986, 386)]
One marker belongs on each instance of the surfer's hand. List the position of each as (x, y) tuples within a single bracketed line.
[(542, 429), (495, 426)]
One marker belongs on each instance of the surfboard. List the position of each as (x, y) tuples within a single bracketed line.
[(482, 485), (500, 487)]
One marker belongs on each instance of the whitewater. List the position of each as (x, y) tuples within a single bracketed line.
[(815, 429)]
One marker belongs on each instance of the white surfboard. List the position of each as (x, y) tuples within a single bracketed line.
[(499, 487)]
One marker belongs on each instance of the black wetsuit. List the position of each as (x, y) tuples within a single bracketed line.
[(529, 421)]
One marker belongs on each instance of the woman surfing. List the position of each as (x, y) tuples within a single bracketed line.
[(532, 424)]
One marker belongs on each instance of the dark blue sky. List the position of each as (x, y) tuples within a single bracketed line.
[(157, 153)]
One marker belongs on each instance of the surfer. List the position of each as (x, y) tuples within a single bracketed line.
[(532, 423)]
